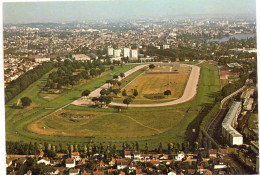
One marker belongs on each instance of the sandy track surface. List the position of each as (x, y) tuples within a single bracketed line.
[(189, 92)]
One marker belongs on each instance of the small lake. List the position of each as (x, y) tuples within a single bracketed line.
[(237, 36)]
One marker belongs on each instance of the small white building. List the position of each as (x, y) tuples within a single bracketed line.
[(166, 46), (81, 57), (40, 60), (76, 156), (70, 163), (180, 156), (44, 160)]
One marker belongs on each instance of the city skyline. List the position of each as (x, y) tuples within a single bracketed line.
[(66, 11)]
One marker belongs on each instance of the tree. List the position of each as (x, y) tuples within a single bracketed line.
[(151, 66), (127, 101), (135, 92), (26, 101), (119, 83), (122, 75), (112, 68), (85, 93), (124, 93), (115, 76), (167, 92)]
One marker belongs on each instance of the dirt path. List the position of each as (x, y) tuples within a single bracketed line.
[(189, 92)]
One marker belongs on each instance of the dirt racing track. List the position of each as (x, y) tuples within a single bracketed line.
[(189, 92)]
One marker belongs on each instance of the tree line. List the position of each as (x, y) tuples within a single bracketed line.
[(21, 83)]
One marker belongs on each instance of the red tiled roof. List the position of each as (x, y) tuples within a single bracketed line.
[(191, 171), (98, 173), (120, 161), (112, 170), (213, 151), (200, 167), (208, 172), (41, 154), (138, 170), (155, 162), (85, 173), (75, 153), (127, 152), (69, 161), (46, 158)]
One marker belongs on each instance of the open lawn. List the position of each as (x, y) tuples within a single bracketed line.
[(18, 118), (145, 125), (151, 87)]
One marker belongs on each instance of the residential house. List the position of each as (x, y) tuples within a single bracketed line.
[(112, 162), (44, 160), (163, 157), (76, 156), (8, 163), (74, 171), (128, 155), (145, 157), (180, 156), (155, 162), (208, 172), (29, 172), (54, 171), (172, 172), (111, 171), (138, 172), (70, 163), (41, 154), (98, 173), (213, 153), (137, 155), (191, 171), (85, 173), (219, 163)]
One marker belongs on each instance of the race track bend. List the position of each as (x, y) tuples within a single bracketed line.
[(189, 92)]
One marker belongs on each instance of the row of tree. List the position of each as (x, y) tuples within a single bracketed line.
[(18, 85), (50, 150)]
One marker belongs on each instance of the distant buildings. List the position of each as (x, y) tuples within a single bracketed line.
[(110, 51), (126, 52), (117, 53), (80, 57), (166, 46), (39, 60), (232, 136), (134, 54)]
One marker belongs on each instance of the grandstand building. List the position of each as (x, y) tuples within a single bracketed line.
[(232, 136)]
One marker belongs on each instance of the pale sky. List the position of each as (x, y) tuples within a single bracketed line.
[(25, 12)]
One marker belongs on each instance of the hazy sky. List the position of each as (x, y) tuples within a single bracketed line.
[(24, 12)]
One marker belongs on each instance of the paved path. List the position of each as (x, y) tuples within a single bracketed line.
[(189, 92)]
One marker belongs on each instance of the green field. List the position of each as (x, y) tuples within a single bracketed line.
[(145, 125)]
